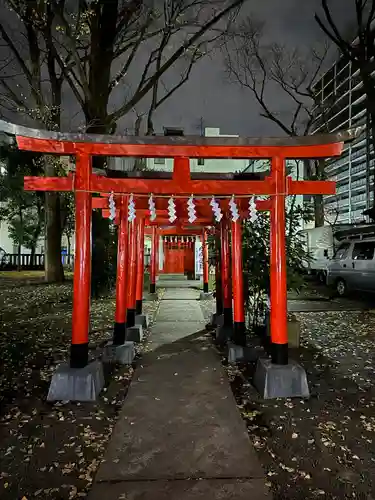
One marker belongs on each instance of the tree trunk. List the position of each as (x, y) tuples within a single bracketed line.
[(32, 253), (318, 210), (54, 271)]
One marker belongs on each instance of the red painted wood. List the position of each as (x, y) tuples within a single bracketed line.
[(181, 186), (132, 265), (203, 208), (279, 330), (154, 244), (237, 274), (140, 259), (33, 183), (122, 263), (205, 257), (178, 150), (82, 259), (310, 187), (189, 259), (173, 259), (225, 265)]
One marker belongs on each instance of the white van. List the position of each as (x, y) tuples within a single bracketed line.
[(353, 265)]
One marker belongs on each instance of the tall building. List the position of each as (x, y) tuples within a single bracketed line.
[(340, 105)]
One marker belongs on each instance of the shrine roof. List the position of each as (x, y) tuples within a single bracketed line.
[(75, 137)]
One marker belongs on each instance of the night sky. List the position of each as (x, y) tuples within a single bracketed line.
[(224, 105), (208, 96)]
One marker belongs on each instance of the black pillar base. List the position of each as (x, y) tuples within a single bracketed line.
[(138, 307), (279, 354), (239, 333), (130, 318), (228, 316), (119, 333), (205, 288), (79, 355), (152, 287)]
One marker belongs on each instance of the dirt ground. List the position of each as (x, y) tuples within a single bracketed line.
[(50, 451), (323, 447)]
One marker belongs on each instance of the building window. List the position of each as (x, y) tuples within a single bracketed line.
[(159, 161), (200, 161)]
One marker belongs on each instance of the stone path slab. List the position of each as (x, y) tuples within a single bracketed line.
[(212, 489), (179, 435), (167, 333), (180, 421), (181, 294), (180, 311)]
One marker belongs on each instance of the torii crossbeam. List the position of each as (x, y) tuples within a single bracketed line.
[(84, 184)]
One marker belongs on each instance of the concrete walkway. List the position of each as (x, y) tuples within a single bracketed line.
[(179, 435)]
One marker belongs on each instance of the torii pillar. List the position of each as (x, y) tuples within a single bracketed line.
[(134, 332), (120, 350), (225, 331), (239, 329), (140, 318), (153, 263), (206, 270)]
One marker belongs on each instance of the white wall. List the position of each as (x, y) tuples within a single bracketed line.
[(6, 243), (209, 165)]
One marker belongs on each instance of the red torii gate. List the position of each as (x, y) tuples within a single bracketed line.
[(277, 185)]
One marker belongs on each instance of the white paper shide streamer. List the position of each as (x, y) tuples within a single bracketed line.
[(233, 209), (216, 210), (131, 209), (253, 212), (171, 210), (191, 209), (112, 207), (151, 207)]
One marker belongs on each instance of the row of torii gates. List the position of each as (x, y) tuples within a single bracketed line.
[(181, 185)]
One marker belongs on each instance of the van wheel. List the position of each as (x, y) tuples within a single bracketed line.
[(341, 288)]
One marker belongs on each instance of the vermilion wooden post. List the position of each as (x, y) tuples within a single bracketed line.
[(279, 328), (218, 283), (239, 330), (132, 273), (225, 274), (82, 264), (205, 262), (119, 331), (154, 242), (140, 265)]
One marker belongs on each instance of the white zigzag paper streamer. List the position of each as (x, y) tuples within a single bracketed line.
[(233, 209), (151, 207), (191, 210), (131, 209), (253, 212), (112, 207), (216, 209), (171, 210)]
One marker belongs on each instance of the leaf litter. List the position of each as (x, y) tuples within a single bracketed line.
[(322, 447), (51, 451)]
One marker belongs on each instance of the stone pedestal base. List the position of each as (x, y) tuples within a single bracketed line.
[(135, 333), (237, 353), (223, 334), (142, 320), (123, 354), (217, 320), (205, 296), (281, 381), (76, 384)]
